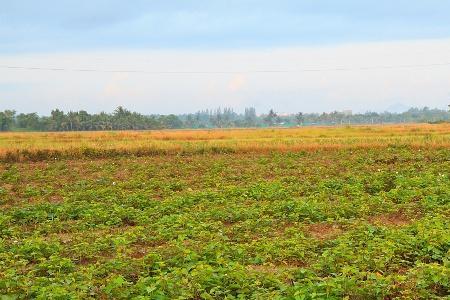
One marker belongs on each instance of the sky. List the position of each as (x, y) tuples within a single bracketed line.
[(183, 56)]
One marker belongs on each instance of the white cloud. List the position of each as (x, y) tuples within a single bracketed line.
[(357, 89)]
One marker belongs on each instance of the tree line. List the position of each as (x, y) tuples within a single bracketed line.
[(123, 119)]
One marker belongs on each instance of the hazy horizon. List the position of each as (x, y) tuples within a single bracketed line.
[(394, 109)]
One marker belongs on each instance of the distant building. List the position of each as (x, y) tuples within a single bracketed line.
[(347, 112)]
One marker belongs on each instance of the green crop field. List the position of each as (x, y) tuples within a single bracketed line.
[(307, 213)]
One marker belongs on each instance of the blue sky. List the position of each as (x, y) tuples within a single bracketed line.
[(109, 33), (29, 26)]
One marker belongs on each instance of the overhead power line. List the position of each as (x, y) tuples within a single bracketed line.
[(413, 66)]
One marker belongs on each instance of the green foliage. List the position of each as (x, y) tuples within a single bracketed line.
[(123, 119), (325, 224)]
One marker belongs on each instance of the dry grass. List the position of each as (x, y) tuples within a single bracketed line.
[(38, 146)]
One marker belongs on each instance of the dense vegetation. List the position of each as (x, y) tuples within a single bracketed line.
[(309, 213), (123, 119)]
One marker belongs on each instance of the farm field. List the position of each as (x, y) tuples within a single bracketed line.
[(357, 212)]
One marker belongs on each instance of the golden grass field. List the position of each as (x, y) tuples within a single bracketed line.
[(22, 146)]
